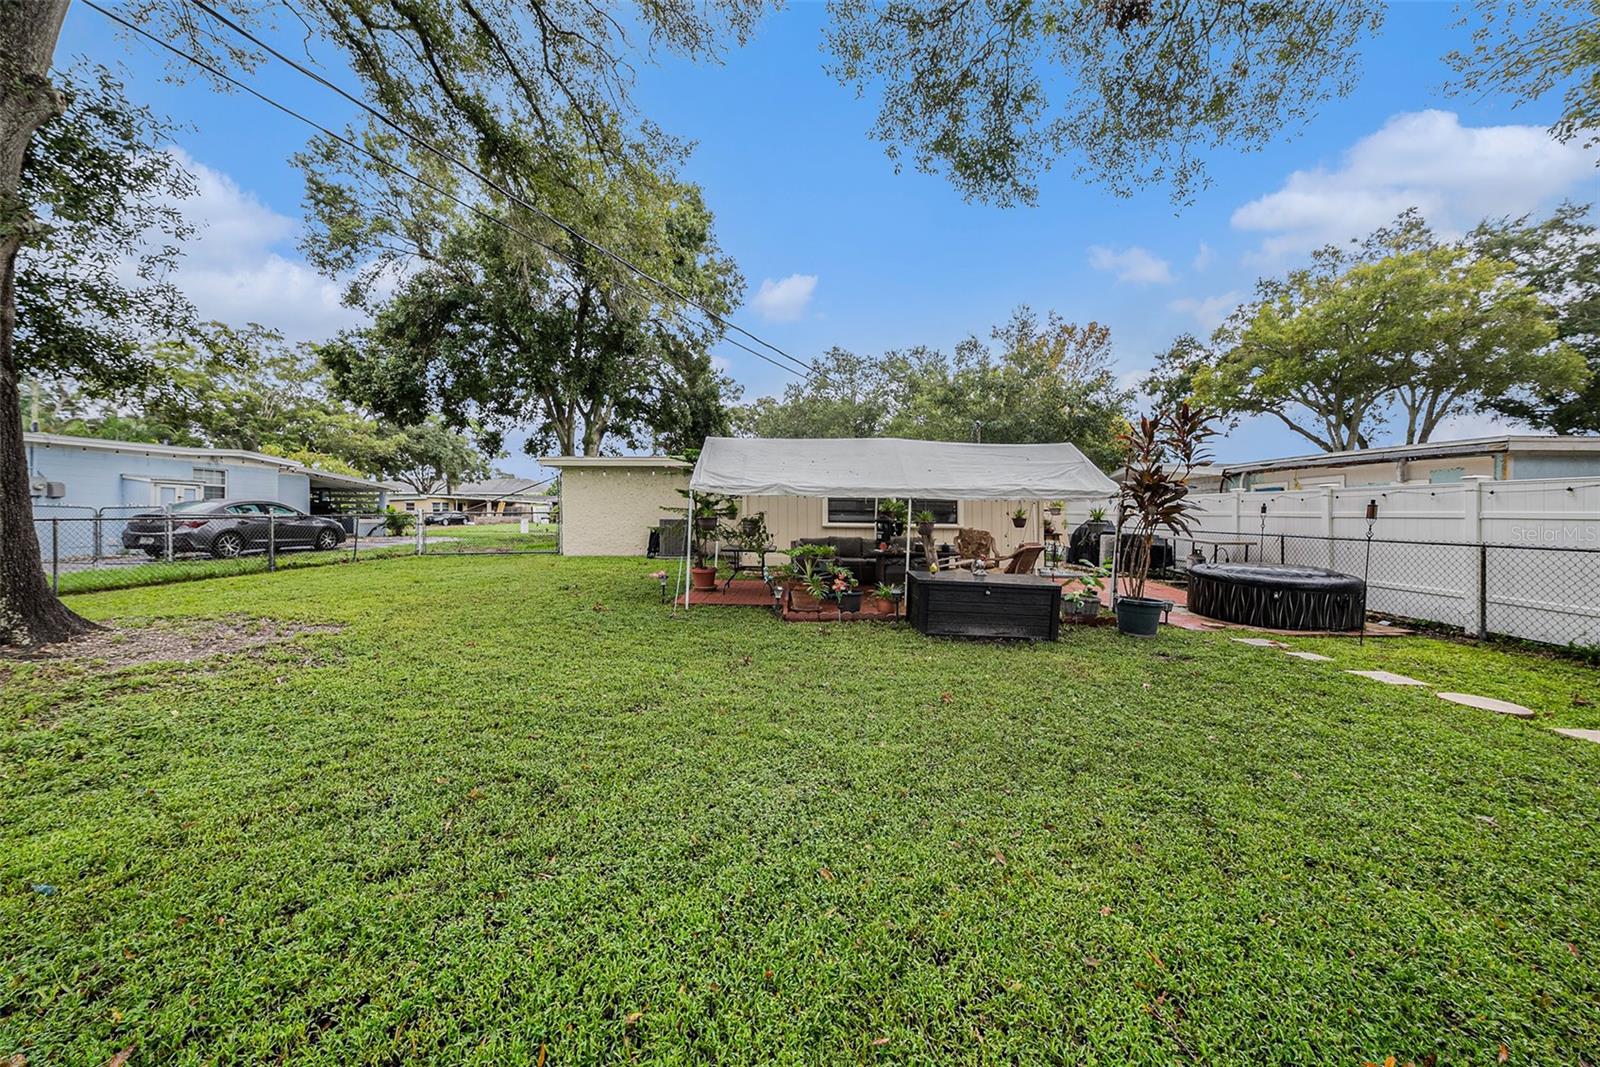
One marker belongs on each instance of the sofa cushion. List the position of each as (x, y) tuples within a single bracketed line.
[(849, 547)]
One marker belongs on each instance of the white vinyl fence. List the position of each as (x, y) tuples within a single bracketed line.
[(1519, 558)]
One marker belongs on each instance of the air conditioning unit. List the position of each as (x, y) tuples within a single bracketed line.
[(52, 490)]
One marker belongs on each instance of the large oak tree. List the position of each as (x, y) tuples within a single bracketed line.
[(509, 80)]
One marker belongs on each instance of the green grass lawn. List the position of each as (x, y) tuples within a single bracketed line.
[(513, 805)]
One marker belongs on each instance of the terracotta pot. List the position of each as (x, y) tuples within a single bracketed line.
[(703, 578), (800, 599)]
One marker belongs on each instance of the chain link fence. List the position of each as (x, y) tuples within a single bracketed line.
[(1544, 593), (87, 549)]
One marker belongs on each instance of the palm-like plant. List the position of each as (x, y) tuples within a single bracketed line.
[(1162, 452)]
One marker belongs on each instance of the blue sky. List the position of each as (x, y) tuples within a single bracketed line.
[(857, 256)]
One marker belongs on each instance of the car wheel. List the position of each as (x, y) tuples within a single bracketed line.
[(326, 539), (227, 545)]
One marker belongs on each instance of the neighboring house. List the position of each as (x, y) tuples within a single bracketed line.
[(511, 497), (609, 505), (1204, 478), (87, 473), (1503, 458)]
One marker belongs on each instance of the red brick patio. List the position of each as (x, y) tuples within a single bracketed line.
[(753, 593)]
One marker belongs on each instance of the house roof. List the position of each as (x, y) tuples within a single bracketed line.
[(192, 452), (895, 466), (559, 462), (1472, 446), (488, 489)]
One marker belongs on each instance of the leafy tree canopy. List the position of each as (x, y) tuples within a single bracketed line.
[(1559, 259), (990, 92), (247, 389), (1035, 381), (1401, 326), (502, 319)]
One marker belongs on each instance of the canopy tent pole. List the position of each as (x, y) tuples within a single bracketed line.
[(905, 594), (688, 543)]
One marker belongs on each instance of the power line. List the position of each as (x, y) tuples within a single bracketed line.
[(396, 168), (457, 161)]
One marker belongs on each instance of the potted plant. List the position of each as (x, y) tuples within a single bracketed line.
[(1055, 507), (888, 594), (1050, 531), (1082, 604), (925, 535), (1162, 451), (1019, 518), (844, 591), (710, 511), (891, 520), (802, 575)]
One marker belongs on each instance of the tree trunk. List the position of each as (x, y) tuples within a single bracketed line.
[(30, 614)]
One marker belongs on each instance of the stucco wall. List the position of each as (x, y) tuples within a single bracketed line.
[(609, 511)]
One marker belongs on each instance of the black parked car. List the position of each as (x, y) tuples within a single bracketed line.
[(229, 528), (445, 518)]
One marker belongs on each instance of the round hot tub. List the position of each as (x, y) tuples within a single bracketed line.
[(1277, 597)]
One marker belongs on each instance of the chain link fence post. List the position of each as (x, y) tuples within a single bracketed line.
[(55, 556), (1483, 590), (421, 537), (167, 517), (355, 538), (272, 541)]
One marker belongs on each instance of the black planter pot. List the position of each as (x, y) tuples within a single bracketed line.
[(1139, 616), (849, 601), (1018, 523), (705, 523)]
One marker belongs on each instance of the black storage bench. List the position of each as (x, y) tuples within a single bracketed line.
[(956, 603)]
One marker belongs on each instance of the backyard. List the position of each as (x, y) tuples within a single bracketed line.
[(508, 809)]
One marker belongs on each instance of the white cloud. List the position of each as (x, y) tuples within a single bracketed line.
[(1455, 174), (234, 271), (786, 300), (1131, 264), (1208, 311), (1203, 257)]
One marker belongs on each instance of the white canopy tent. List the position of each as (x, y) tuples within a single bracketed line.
[(891, 467)]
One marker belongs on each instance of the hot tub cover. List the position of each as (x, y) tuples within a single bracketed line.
[(896, 467), (1282, 576)]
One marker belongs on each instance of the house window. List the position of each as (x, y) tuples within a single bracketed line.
[(1447, 475), (213, 482), (437, 506), (410, 506), (856, 509), (863, 510)]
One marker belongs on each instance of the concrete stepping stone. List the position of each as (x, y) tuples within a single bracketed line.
[(1387, 677), (1258, 642), (1499, 707), (1581, 735), (1315, 657)]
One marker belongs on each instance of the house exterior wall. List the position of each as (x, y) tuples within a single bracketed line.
[(98, 478), (610, 510), (790, 518), (1554, 464), (1382, 472)]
